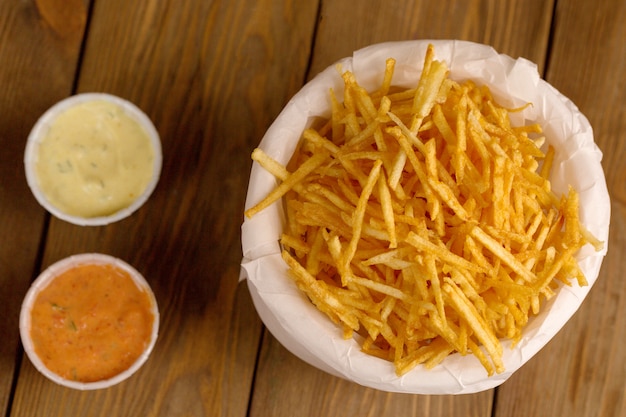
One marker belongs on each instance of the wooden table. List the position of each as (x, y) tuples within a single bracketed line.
[(213, 75)]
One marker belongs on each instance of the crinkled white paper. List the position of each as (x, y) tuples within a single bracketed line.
[(309, 334)]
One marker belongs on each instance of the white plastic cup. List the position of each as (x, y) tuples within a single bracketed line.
[(45, 278), (43, 125)]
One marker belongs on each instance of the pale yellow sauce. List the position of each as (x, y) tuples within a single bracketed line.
[(95, 160)]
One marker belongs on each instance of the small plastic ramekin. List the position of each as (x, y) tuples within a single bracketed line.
[(45, 278), (43, 125)]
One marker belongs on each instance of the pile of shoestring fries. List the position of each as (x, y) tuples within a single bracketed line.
[(423, 221)]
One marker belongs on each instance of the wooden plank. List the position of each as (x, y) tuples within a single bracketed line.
[(206, 73), (517, 28), (32, 36), (285, 385), (582, 372)]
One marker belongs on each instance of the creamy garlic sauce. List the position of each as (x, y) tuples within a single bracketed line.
[(95, 160)]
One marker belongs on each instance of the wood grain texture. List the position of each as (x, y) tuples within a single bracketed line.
[(286, 386), (517, 28), (213, 75), (582, 372), (31, 38), (205, 73)]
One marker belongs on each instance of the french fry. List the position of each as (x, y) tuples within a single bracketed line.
[(288, 183)]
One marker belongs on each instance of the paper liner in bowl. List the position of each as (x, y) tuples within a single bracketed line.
[(308, 333)]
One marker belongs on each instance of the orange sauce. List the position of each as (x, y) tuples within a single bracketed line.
[(91, 323)]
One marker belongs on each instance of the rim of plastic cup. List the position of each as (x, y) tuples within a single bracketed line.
[(43, 125), (42, 282)]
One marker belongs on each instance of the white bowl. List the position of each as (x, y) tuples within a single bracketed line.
[(42, 127), (309, 334), (48, 276)]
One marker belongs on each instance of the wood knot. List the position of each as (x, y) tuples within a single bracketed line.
[(66, 18)]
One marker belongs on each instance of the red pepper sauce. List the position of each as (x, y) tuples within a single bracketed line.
[(91, 323)]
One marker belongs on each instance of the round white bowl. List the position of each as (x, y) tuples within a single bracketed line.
[(309, 334), (48, 276), (42, 126)]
